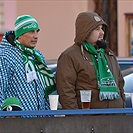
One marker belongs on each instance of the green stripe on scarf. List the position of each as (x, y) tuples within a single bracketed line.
[(106, 82), (33, 63)]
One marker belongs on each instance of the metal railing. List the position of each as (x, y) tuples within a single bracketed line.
[(68, 112)]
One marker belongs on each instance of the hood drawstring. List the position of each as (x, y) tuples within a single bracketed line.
[(83, 54)]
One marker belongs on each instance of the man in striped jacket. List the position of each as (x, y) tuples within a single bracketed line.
[(23, 71)]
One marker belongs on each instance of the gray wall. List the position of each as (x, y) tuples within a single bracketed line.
[(69, 124)]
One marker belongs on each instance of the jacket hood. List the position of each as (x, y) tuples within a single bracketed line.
[(85, 23), (8, 39)]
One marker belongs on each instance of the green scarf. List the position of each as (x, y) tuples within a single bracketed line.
[(33, 63), (106, 82)]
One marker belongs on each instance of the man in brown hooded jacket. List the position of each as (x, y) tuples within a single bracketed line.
[(84, 66)]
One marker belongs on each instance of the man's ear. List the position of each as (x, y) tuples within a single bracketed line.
[(19, 38)]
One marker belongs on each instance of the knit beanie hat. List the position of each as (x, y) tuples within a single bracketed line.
[(85, 23), (11, 104), (25, 23)]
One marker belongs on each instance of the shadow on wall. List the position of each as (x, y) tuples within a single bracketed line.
[(1, 35)]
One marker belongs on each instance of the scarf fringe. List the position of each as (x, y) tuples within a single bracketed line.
[(108, 95)]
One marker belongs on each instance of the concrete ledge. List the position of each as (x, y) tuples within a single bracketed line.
[(69, 124)]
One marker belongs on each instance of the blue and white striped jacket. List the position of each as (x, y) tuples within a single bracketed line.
[(13, 81)]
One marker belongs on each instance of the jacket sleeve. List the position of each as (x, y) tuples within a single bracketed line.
[(65, 81), (3, 79), (118, 77), (121, 87), (120, 83)]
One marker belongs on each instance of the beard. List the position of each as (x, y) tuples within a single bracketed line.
[(102, 44)]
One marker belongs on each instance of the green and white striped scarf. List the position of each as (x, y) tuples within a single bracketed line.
[(106, 82), (33, 64)]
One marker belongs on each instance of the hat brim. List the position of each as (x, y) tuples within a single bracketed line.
[(14, 108)]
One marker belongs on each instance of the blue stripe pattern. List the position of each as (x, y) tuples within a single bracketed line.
[(128, 111)]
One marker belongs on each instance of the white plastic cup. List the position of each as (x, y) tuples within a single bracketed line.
[(85, 98), (53, 100)]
